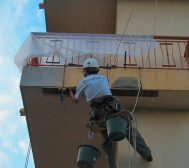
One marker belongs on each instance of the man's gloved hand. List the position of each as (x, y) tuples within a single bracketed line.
[(67, 92)]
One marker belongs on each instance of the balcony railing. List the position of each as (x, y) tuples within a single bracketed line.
[(169, 52)]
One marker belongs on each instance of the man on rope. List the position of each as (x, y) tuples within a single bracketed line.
[(96, 89)]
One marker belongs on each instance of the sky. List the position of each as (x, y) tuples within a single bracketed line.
[(18, 19)]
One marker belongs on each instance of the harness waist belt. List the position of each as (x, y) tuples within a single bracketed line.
[(102, 100)]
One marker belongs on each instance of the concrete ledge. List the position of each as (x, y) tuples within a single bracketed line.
[(151, 79), (42, 76)]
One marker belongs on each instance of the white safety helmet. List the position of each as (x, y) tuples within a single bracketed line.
[(90, 63)]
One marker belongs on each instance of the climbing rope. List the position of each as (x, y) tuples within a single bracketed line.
[(140, 74), (122, 36), (139, 90), (134, 123), (28, 155), (134, 120), (154, 25), (132, 127)]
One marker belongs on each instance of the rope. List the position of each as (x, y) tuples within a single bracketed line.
[(154, 25), (134, 128), (137, 97), (155, 16), (140, 75), (107, 72), (129, 144), (115, 56), (127, 23), (28, 155), (90, 131), (136, 101)]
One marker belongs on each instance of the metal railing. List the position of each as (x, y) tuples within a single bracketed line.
[(172, 52)]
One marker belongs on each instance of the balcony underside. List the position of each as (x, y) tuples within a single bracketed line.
[(82, 16)]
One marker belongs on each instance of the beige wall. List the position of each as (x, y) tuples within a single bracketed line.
[(172, 17), (166, 133), (83, 16)]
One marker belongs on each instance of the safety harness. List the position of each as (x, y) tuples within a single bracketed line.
[(102, 108)]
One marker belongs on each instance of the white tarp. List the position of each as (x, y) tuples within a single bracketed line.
[(69, 45)]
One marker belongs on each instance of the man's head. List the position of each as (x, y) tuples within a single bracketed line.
[(90, 66)]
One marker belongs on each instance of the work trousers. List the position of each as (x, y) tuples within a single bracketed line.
[(135, 138), (98, 112)]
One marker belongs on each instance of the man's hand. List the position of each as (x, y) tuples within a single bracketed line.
[(72, 96)]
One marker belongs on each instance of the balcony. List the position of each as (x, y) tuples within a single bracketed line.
[(158, 52), (159, 63)]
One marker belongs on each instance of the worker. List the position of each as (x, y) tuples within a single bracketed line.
[(96, 90)]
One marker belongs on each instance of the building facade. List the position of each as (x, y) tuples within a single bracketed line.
[(57, 126)]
